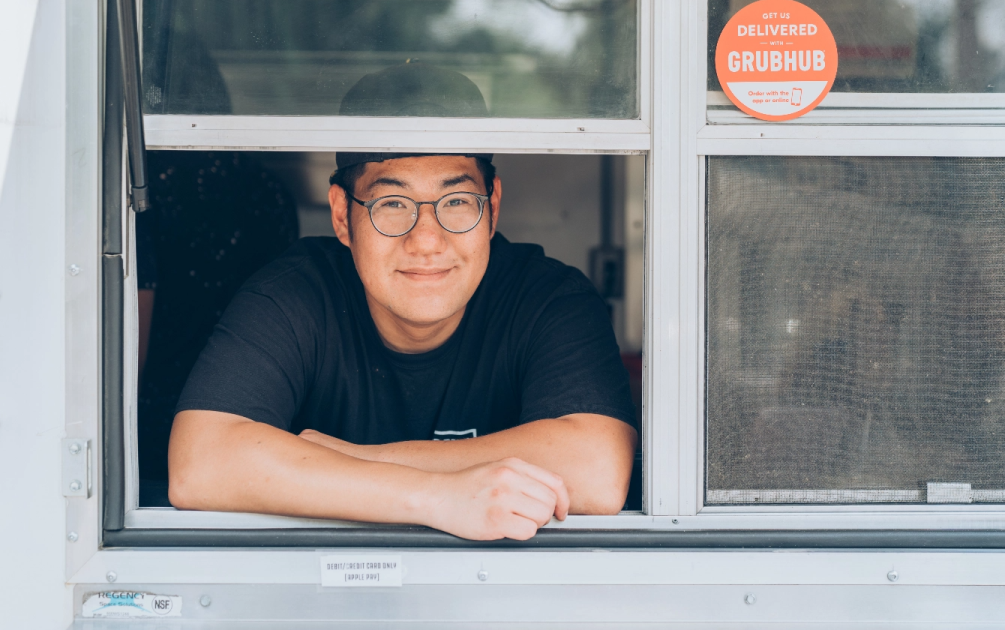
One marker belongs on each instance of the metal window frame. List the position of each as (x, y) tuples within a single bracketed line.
[(125, 523), (675, 133), (877, 125)]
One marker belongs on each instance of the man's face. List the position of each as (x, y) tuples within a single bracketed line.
[(428, 275)]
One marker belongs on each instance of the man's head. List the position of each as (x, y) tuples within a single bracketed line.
[(426, 275)]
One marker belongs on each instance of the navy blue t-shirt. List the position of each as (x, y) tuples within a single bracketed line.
[(298, 349)]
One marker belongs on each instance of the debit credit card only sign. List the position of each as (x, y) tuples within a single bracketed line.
[(361, 570)]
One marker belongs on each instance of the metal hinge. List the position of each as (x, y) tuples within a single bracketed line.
[(76, 467)]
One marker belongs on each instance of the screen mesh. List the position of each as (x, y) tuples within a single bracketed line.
[(855, 328)]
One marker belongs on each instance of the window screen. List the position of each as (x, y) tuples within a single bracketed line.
[(855, 330), (902, 45), (529, 58)]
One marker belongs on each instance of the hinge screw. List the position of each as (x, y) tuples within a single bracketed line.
[(205, 601), (893, 576), (749, 599), (483, 575), (111, 576), (72, 536), (75, 485), (75, 448), (74, 270), (675, 521)]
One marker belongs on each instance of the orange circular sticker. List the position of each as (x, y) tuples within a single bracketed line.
[(776, 59)]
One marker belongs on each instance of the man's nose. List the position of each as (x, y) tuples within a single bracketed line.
[(427, 236)]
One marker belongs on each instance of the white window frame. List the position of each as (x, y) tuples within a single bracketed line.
[(512, 135), (845, 124), (674, 131), (796, 586)]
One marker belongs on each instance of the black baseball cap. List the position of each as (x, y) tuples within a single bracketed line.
[(410, 89)]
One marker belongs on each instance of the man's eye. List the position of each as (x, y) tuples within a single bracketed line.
[(392, 204), (457, 202)]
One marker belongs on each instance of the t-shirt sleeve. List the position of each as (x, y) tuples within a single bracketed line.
[(255, 364), (573, 364)]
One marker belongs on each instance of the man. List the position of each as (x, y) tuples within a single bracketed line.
[(417, 369)]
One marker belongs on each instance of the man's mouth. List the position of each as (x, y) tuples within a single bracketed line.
[(421, 274)]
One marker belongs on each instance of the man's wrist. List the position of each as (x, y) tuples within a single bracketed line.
[(423, 498)]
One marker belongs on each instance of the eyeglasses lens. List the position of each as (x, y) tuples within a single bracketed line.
[(393, 215), (458, 212)]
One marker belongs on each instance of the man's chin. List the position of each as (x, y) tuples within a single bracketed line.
[(430, 315)]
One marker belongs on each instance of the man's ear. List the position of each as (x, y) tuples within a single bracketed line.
[(496, 200), (339, 202)]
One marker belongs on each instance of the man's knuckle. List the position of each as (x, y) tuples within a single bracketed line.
[(495, 513)]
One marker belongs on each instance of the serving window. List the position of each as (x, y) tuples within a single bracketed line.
[(241, 109), (219, 216), (809, 310)]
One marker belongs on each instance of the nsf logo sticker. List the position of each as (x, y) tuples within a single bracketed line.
[(129, 605)]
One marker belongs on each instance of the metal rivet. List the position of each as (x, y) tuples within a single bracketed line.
[(72, 536), (75, 485), (75, 448), (74, 270), (483, 575), (675, 521), (205, 601), (893, 576), (111, 576), (749, 599)]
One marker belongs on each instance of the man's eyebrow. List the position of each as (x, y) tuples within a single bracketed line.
[(386, 181), (460, 179)]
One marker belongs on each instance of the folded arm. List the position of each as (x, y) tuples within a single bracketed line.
[(593, 455), (220, 461)]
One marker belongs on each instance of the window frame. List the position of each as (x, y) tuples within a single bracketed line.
[(849, 125), (293, 133), (675, 133)]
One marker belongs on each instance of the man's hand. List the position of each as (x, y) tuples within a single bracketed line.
[(505, 499)]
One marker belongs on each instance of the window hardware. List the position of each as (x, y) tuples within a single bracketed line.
[(950, 493), (76, 468)]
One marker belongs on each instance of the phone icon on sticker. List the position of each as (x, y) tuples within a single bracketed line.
[(797, 97)]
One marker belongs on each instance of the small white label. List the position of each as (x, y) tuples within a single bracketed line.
[(130, 605), (361, 570)]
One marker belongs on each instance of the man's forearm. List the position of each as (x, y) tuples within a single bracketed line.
[(233, 464), (593, 454), (220, 461)]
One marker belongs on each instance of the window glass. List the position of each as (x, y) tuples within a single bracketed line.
[(529, 58), (902, 45), (855, 329)]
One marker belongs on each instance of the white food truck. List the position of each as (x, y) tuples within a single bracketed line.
[(811, 311)]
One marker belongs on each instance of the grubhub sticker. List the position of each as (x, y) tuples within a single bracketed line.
[(776, 59)]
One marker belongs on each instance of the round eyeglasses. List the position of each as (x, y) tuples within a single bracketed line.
[(396, 215)]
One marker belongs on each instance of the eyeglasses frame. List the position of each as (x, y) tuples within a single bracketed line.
[(418, 206)]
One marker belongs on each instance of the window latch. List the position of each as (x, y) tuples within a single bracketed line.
[(950, 493)]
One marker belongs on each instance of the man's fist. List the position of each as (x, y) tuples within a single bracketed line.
[(505, 499)]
